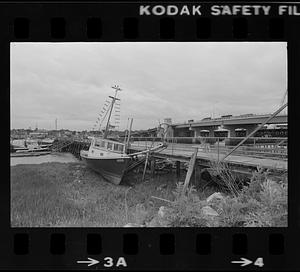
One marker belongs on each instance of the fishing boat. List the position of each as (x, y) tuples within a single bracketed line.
[(110, 157), (107, 158)]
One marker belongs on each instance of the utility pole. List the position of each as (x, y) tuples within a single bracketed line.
[(56, 124)]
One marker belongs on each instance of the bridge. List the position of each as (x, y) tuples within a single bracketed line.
[(227, 126)]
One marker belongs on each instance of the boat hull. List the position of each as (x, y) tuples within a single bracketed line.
[(112, 169)]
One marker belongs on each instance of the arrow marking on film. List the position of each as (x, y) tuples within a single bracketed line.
[(243, 262), (89, 262)]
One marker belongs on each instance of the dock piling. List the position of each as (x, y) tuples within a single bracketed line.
[(190, 170), (178, 169), (145, 167), (152, 168)]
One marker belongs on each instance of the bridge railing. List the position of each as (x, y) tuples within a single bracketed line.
[(260, 147)]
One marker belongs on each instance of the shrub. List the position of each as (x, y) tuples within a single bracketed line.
[(266, 201), (231, 212), (253, 188), (273, 206), (261, 203), (186, 208)]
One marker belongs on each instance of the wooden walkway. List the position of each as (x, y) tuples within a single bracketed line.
[(181, 153)]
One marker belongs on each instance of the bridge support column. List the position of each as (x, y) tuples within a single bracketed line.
[(231, 131), (211, 132)]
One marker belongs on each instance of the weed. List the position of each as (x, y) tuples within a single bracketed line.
[(224, 177)]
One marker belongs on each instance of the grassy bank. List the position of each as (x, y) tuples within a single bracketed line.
[(71, 195)]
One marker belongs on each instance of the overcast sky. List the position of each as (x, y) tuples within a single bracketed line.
[(71, 81)]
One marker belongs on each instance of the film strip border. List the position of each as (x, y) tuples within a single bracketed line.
[(202, 243), (104, 22), (190, 249), (167, 249), (168, 29)]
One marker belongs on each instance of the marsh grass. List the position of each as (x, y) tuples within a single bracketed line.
[(70, 195)]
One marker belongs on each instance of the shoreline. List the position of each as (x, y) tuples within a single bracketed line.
[(64, 157)]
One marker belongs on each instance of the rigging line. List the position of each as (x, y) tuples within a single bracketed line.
[(103, 119), (103, 111)]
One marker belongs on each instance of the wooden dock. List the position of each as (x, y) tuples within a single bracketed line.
[(70, 145), (241, 162)]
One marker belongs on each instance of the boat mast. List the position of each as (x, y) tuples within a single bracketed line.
[(117, 89)]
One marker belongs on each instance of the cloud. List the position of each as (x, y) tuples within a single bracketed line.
[(71, 81)]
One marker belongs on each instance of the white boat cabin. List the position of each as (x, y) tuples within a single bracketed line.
[(106, 148)]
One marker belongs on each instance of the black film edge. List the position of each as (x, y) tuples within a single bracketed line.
[(25, 246)]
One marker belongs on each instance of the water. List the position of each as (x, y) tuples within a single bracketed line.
[(57, 157)]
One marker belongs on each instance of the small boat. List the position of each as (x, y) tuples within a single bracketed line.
[(29, 148), (110, 157), (47, 142)]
